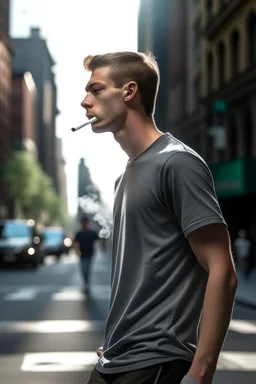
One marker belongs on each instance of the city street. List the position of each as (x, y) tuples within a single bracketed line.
[(49, 331)]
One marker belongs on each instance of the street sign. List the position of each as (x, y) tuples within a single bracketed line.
[(220, 106)]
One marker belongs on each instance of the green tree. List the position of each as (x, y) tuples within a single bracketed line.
[(21, 173), (32, 190), (41, 202), (57, 212)]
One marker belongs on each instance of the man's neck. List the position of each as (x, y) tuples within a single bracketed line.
[(137, 136)]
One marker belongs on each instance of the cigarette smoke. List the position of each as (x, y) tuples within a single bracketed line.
[(90, 205)]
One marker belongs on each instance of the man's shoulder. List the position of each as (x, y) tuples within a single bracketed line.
[(77, 234), (175, 151)]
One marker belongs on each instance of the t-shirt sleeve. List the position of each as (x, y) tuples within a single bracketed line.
[(77, 237), (189, 192)]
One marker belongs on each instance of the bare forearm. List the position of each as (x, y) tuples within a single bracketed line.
[(217, 311), (76, 248)]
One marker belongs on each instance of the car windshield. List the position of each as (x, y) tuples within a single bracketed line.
[(10, 230), (53, 235)]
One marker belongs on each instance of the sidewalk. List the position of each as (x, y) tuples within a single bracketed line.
[(246, 290)]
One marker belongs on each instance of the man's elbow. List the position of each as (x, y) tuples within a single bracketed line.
[(226, 276), (233, 281)]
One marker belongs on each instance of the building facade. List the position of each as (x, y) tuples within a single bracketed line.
[(153, 36), (228, 63), (208, 60), (32, 54), (23, 119), (62, 177), (171, 30), (190, 127), (5, 102)]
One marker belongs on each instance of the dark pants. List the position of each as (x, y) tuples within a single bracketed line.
[(167, 373), (85, 264)]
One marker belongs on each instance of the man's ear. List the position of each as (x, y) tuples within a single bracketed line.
[(130, 90)]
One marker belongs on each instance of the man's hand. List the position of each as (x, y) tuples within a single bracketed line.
[(100, 351)]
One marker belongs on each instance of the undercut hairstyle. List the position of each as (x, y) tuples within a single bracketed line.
[(131, 66)]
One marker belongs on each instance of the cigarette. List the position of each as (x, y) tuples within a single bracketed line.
[(90, 121)]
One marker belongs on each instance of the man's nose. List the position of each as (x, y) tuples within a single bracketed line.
[(86, 102)]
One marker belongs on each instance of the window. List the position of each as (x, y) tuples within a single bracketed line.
[(232, 138), (196, 92), (235, 56), (209, 7), (225, 3), (251, 33), (221, 62), (197, 36), (209, 72), (248, 133)]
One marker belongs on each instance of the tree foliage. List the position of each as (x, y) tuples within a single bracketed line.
[(32, 190)]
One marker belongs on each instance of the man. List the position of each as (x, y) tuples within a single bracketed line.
[(171, 260), (84, 247)]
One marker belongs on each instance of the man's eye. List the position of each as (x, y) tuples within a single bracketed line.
[(97, 90)]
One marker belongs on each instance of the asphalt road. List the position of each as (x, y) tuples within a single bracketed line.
[(49, 331)]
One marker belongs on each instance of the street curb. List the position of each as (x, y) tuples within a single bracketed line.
[(245, 303)]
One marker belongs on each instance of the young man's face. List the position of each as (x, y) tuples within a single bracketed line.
[(104, 101)]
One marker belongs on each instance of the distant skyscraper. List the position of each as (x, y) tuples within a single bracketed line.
[(84, 178), (86, 187)]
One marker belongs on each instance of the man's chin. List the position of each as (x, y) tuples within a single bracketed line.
[(100, 129)]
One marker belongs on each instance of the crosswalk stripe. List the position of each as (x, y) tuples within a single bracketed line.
[(237, 361), (21, 294), (69, 295), (51, 326), (59, 362), (99, 292), (51, 288), (84, 361), (242, 326)]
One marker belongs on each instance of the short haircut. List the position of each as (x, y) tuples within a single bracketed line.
[(131, 66)]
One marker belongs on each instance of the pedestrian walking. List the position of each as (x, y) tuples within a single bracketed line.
[(242, 249), (172, 268), (84, 246)]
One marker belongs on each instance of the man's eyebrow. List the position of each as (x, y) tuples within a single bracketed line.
[(91, 85)]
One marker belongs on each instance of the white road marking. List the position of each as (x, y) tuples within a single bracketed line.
[(28, 293), (83, 361), (42, 288), (237, 361), (69, 295), (22, 294), (59, 362), (242, 326), (51, 326)]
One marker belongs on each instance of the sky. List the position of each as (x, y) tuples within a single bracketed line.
[(73, 30)]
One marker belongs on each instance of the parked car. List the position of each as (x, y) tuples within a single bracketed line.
[(56, 242), (20, 242)]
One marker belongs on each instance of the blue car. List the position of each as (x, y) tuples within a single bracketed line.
[(21, 242), (56, 242)]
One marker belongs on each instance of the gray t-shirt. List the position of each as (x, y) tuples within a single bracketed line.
[(157, 284)]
